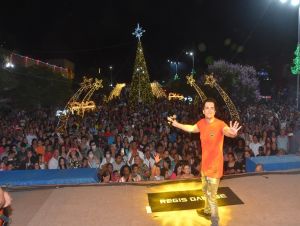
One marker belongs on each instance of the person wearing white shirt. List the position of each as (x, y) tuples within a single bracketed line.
[(117, 165), (148, 161), (108, 159), (129, 136), (30, 136), (282, 141), (53, 162), (133, 151), (254, 145)]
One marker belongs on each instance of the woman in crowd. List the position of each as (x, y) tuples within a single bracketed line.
[(177, 171), (135, 174), (110, 168), (104, 175), (107, 158), (143, 169), (93, 161), (74, 158), (231, 166), (115, 176), (30, 160), (62, 163), (186, 171), (125, 174), (166, 171)]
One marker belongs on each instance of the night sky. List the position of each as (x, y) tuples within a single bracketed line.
[(99, 34)]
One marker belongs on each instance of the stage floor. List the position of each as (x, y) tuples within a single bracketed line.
[(269, 199)]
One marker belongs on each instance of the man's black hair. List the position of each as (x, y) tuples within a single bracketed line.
[(211, 100)]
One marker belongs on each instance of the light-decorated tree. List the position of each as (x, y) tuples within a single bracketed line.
[(140, 88), (239, 81), (295, 69)]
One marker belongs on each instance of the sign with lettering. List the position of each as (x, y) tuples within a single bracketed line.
[(190, 199)]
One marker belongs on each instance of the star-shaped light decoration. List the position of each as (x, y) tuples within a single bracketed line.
[(190, 80), (98, 84), (210, 80), (138, 32), (87, 82)]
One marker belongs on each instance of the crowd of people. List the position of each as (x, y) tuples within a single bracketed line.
[(128, 145)]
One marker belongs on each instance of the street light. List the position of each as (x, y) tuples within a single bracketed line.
[(190, 53), (296, 3), (176, 76), (111, 83), (9, 65)]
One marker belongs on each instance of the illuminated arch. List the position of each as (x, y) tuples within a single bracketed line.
[(74, 105), (211, 81)]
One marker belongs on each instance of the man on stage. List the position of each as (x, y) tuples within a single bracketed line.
[(212, 131)]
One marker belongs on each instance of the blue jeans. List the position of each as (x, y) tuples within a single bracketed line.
[(210, 188)]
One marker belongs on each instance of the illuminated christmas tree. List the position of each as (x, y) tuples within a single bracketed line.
[(140, 88)]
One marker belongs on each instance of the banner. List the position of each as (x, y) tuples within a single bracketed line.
[(190, 199)]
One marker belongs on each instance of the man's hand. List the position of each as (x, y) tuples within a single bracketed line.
[(172, 120), (233, 129), (188, 128)]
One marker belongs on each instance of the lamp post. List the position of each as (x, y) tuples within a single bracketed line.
[(190, 53), (110, 69), (176, 76), (296, 68)]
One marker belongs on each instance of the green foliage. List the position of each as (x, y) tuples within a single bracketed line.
[(240, 82), (296, 68)]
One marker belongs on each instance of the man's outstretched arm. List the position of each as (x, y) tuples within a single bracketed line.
[(185, 127)]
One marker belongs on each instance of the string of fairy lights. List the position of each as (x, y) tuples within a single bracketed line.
[(116, 92), (157, 90), (13, 59), (80, 102), (141, 90)]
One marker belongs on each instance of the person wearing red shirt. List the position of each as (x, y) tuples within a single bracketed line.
[(212, 131)]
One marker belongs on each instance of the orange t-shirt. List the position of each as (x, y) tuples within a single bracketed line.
[(40, 150), (212, 138)]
